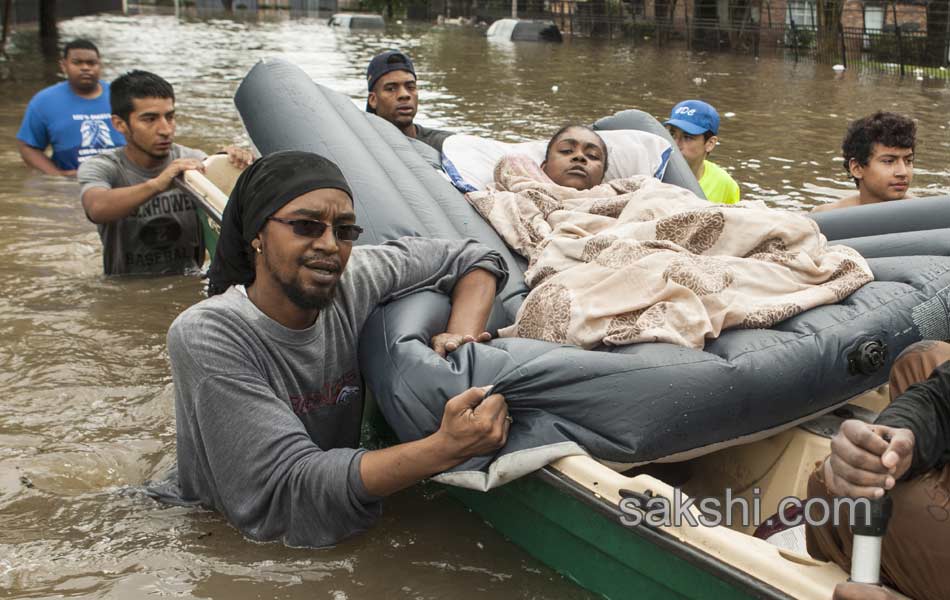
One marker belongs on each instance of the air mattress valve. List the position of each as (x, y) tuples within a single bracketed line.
[(868, 358)]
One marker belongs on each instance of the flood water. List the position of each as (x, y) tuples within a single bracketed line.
[(87, 413)]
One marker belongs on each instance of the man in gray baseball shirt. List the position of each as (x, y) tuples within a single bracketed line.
[(268, 402), (146, 226)]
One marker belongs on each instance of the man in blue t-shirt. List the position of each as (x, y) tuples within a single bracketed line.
[(72, 116)]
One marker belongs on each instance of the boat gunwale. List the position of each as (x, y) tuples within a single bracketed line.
[(743, 581), (708, 563), (184, 185)]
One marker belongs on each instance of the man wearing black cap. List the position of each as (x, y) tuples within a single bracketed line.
[(391, 82), (268, 403)]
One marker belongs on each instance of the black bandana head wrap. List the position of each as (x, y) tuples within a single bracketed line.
[(261, 190)]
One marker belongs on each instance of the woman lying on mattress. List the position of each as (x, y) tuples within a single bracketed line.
[(638, 260), (576, 157)]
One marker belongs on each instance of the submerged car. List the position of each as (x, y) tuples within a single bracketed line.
[(524, 30), (357, 21)]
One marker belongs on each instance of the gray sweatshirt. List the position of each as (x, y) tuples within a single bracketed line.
[(268, 418), (163, 235)]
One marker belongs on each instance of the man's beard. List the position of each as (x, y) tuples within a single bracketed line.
[(317, 300), (307, 300)]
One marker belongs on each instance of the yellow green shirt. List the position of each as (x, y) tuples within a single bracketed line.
[(718, 186)]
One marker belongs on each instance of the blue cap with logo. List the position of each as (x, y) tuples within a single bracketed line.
[(386, 62), (694, 117)]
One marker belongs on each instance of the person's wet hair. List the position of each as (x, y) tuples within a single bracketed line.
[(79, 44), (136, 85), (884, 128), (557, 135)]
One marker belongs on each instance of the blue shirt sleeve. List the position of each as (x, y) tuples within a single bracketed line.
[(33, 131)]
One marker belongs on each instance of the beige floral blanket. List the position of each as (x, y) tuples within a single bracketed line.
[(637, 260)]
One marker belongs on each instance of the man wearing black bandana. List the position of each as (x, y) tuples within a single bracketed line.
[(267, 386)]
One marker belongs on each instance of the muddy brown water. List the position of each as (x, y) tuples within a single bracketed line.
[(86, 415)]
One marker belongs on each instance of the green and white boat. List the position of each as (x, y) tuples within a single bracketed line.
[(568, 514)]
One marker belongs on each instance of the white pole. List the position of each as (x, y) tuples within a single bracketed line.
[(869, 527), (514, 9), (866, 564), (177, 9), (125, 7)]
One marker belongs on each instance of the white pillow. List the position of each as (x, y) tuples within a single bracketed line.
[(470, 160)]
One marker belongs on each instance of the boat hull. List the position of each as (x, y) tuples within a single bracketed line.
[(582, 538), (210, 230), (566, 516), (567, 526)]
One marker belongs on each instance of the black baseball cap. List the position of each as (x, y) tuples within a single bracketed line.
[(386, 62)]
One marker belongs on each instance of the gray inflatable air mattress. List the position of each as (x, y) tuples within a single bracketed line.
[(919, 214), (629, 405)]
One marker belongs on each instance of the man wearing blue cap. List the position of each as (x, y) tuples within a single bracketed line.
[(391, 82), (694, 126)]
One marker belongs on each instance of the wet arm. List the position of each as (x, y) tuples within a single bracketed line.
[(387, 471), (472, 301), (472, 425), (107, 206), (462, 268), (272, 481), (37, 159)]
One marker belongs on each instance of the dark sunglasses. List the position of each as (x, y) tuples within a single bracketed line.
[(315, 229)]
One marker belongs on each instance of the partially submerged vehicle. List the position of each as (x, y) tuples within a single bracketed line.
[(524, 30), (357, 21), (750, 414)]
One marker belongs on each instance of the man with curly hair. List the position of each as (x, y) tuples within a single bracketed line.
[(878, 153)]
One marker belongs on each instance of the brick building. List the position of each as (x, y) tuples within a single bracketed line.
[(777, 14)]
